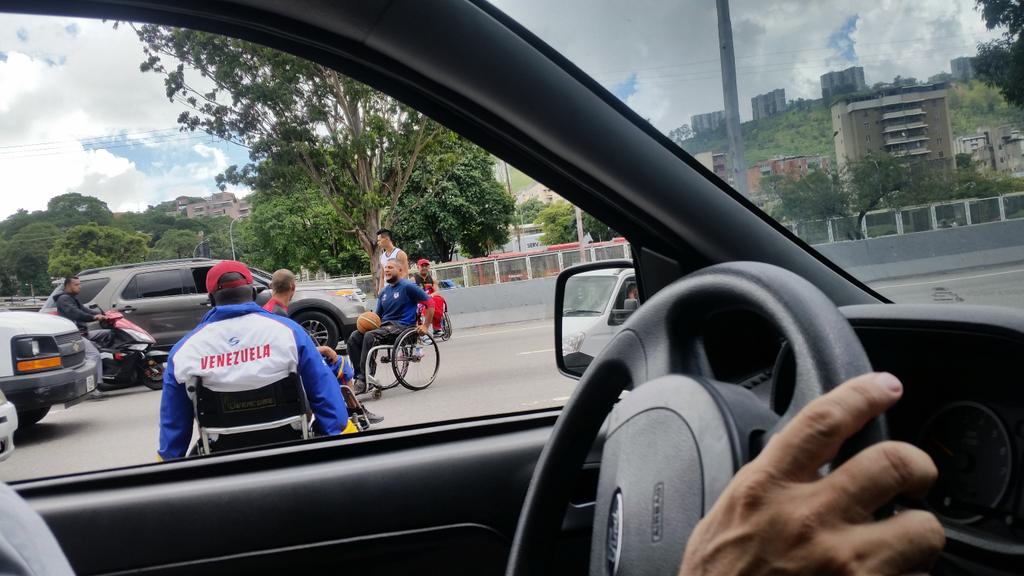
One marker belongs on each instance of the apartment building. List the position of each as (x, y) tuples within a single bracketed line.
[(842, 82), (709, 122), (769, 104), (219, 204)]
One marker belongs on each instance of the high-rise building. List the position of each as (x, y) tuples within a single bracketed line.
[(909, 122), (962, 68), (770, 104), (717, 162), (842, 82), (709, 122)]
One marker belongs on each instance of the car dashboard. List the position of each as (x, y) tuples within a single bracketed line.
[(963, 404)]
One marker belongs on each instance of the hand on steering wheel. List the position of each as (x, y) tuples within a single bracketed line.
[(757, 528)]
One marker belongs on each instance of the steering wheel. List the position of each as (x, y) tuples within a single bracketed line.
[(676, 440)]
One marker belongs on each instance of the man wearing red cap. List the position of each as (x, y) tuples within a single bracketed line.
[(425, 281), (239, 346)]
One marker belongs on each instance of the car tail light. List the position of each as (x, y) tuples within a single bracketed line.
[(118, 356), (40, 364)]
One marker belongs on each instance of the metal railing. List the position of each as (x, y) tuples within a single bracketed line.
[(912, 219)]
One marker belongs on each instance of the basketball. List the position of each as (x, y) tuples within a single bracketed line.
[(367, 321)]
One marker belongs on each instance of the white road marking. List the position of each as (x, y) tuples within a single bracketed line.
[(560, 399), (950, 279), (536, 352), (541, 327)]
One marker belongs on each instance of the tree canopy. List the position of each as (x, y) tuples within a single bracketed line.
[(357, 146), (92, 245), (1001, 61), (558, 223)]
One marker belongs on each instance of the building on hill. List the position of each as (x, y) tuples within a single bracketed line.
[(910, 122), (538, 191), (842, 82), (1001, 149), (709, 122), (219, 204), (793, 166), (717, 162), (962, 68), (769, 104)]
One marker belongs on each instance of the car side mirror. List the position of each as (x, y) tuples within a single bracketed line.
[(585, 320)]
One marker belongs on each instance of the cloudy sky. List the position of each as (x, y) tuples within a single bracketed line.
[(661, 56), (76, 115)]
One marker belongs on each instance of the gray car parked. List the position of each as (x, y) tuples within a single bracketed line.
[(168, 298)]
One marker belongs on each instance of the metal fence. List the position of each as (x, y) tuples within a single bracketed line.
[(912, 219), (502, 269)]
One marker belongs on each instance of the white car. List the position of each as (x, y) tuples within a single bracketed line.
[(8, 425), (42, 363), (595, 306)]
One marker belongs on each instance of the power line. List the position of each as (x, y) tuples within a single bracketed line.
[(89, 139), (60, 152)]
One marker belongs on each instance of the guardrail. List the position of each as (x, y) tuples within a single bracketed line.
[(515, 267), (23, 303), (912, 219)]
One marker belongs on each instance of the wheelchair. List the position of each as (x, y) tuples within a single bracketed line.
[(414, 361), (277, 412)]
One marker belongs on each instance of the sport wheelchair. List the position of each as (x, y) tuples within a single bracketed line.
[(275, 413), (414, 360)]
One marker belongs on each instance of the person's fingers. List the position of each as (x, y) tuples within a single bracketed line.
[(906, 543), (814, 436), (876, 475)]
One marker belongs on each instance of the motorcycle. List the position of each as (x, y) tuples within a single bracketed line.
[(128, 354)]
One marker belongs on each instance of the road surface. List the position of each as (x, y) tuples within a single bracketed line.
[(993, 285), (487, 370)]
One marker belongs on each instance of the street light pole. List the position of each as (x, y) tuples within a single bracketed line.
[(232, 237)]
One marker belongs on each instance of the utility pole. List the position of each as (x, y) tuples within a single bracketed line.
[(579, 234), (732, 102), (232, 237), (508, 186)]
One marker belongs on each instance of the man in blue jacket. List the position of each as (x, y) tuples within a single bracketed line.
[(239, 346)]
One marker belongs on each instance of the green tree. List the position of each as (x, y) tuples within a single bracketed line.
[(175, 244), (357, 146), (27, 257), (558, 224), (817, 196), (92, 245), (453, 200), (296, 228), (72, 209), (964, 161), (1000, 62), (527, 211)]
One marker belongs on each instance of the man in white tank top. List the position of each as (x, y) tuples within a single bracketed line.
[(388, 251)]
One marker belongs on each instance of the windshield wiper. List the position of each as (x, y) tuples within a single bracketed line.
[(579, 312)]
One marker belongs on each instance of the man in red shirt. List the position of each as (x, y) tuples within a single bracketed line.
[(282, 290)]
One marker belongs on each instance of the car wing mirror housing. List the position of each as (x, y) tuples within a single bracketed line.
[(584, 317)]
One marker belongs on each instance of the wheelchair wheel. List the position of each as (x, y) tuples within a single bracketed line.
[(415, 360), (446, 328), (381, 382)]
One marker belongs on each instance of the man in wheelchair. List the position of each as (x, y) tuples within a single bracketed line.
[(396, 307), (240, 363)]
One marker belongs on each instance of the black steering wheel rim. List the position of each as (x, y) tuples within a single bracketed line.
[(664, 337)]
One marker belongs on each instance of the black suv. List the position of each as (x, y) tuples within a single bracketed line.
[(168, 298)]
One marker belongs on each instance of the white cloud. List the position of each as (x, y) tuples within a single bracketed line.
[(69, 86), (672, 47)]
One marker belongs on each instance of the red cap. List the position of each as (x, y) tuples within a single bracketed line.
[(213, 277), (423, 262)]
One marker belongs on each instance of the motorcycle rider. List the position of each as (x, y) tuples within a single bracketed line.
[(69, 307), (235, 328)]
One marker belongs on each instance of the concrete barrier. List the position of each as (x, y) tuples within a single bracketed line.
[(930, 252)]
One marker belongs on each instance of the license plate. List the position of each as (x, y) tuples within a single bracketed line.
[(90, 383)]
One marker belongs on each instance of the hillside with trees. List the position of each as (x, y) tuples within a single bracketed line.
[(806, 129)]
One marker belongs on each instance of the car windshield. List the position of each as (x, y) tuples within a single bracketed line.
[(884, 135), (588, 295)]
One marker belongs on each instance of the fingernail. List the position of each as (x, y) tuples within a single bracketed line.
[(889, 382)]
